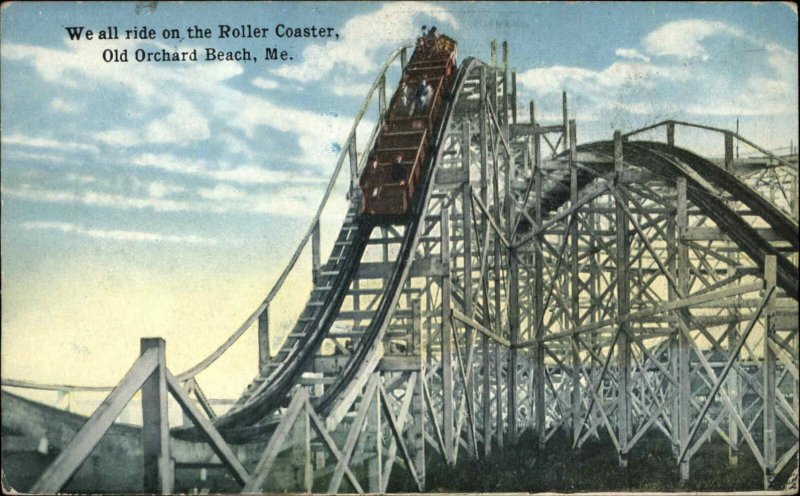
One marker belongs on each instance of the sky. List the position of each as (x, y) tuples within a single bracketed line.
[(164, 198)]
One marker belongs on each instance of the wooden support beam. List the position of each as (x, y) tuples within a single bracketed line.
[(263, 340), (446, 337), (768, 369), (80, 447), (538, 304), (514, 97), (513, 330), (315, 253), (158, 475), (565, 117), (322, 431), (466, 222), (684, 356), (352, 152), (484, 195), (382, 96), (574, 289), (353, 434), (495, 220), (207, 429), (728, 151), (417, 428), (265, 463), (623, 308)]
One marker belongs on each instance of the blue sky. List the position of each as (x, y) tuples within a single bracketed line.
[(163, 198)]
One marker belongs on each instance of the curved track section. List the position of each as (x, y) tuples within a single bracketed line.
[(672, 162), (249, 416), (363, 358)]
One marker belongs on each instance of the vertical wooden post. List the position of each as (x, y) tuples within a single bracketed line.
[(353, 153), (728, 152), (159, 476), (538, 303), (418, 425), (565, 117), (514, 97), (574, 288), (417, 428), (375, 464), (447, 340), (416, 328), (498, 321), (403, 58), (672, 268), (671, 134), (300, 454), (315, 253), (684, 357), (382, 96), (493, 48), (770, 386), (623, 308), (263, 341), (733, 381), (513, 330), (795, 202), (506, 99), (484, 193), (466, 220)]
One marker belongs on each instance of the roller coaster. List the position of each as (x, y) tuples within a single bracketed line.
[(517, 281)]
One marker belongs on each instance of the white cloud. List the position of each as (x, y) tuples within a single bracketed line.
[(222, 192), (160, 189), (245, 174), (63, 106), (357, 90), (47, 143), (363, 38), (264, 84), (292, 201), (682, 39), (80, 179), (34, 157), (686, 76), (631, 53), (96, 199), (577, 79), (183, 100), (116, 234)]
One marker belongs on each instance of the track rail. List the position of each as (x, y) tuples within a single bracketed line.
[(250, 419), (672, 162)]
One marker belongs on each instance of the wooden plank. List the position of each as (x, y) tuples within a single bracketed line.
[(158, 474), (770, 384), (353, 434), (733, 355), (478, 327), (684, 365), (80, 447), (623, 308), (398, 435), (446, 338), (401, 422), (210, 433), (319, 426), (262, 469)]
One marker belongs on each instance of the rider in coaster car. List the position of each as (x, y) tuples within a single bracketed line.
[(398, 169), (424, 95)]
